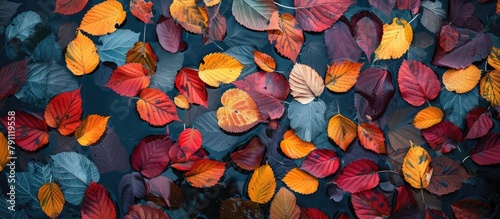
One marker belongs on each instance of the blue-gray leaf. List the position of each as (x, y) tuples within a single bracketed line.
[(23, 26), (166, 68), (7, 10), (308, 120), (115, 46), (213, 137), (24, 192), (40, 174), (6, 211), (48, 50), (456, 106), (245, 56)]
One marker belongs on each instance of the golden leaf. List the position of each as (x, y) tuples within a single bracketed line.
[(293, 147), (342, 131), (182, 102), (238, 112), (341, 76), (396, 40), (216, 68), (494, 58), (51, 199), (428, 117), (91, 129), (205, 173), (262, 184), (143, 54), (192, 17), (210, 3), (461, 80), (305, 83), (416, 167), (284, 205), (301, 182), (103, 18), (264, 61), (81, 55), (4, 151), (489, 87)]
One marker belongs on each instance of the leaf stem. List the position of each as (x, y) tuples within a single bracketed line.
[(338, 107), (388, 171), (468, 156), (144, 34), (284, 6), (423, 198), (428, 103), (276, 160), (413, 19)]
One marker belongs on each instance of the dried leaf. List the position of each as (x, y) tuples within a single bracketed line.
[(143, 54), (284, 205), (192, 17), (305, 83), (142, 10)]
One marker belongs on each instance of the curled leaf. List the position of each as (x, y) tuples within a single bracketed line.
[(264, 61)]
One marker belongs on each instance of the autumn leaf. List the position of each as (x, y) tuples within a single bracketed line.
[(428, 117), (372, 93), (467, 208), (129, 79), (443, 136), (81, 55), (341, 76), (417, 83), (487, 150), (51, 199), (69, 7), (494, 57), (250, 157), (238, 113), (96, 203), (217, 68), (416, 167), (143, 54), (264, 61), (256, 15), (288, 39), (342, 131), (359, 175), (103, 18), (262, 184), (301, 181), (182, 102), (447, 176), (169, 34), (205, 173), (31, 133), (384, 6), (4, 151), (14, 75), (294, 147), (192, 17), (461, 80), (305, 83), (489, 87), (284, 205), (313, 213), (370, 204), (189, 141), (396, 40), (237, 208), (190, 85), (151, 155), (479, 123), (91, 129), (155, 107), (142, 10), (321, 163), (365, 24), (319, 15), (371, 137), (140, 211), (64, 112), (448, 38)]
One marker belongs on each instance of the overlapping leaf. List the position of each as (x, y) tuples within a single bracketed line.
[(139, 211), (81, 55), (416, 167), (312, 213), (190, 85), (142, 10), (443, 136), (262, 184), (129, 79), (447, 176), (14, 75), (494, 58), (284, 205), (470, 208), (264, 61), (417, 83), (365, 24), (342, 131), (156, 108), (115, 46), (150, 156), (358, 176), (51, 199), (91, 129), (219, 68), (64, 112), (288, 39), (205, 173), (236, 207), (294, 147), (396, 39), (307, 120), (479, 123), (490, 87), (68, 7), (250, 157), (97, 204), (341, 76), (371, 137), (301, 181), (239, 112), (340, 43), (428, 117), (321, 163), (257, 15), (318, 15), (305, 83), (169, 35), (487, 150), (30, 132), (142, 53), (193, 18), (461, 80), (370, 204), (103, 18), (4, 151), (373, 91)]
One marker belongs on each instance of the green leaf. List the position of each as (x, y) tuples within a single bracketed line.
[(308, 120), (115, 46), (23, 26)]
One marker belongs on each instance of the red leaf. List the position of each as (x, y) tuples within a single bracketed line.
[(129, 79), (69, 7), (343, 216), (145, 212), (434, 214), (479, 123), (404, 198), (150, 156), (367, 31), (487, 150), (13, 76), (340, 44), (469, 208), (159, 187), (288, 40), (412, 5), (96, 203), (383, 5), (268, 90), (182, 163), (169, 34), (64, 112), (250, 157), (321, 163), (190, 85), (205, 173), (318, 15), (447, 176), (443, 136), (417, 83), (373, 90), (190, 141), (30, 132), (371, 138), (142, 10), (448, 38), (156, 108), (370, 204), (360, 175), (312, 213)]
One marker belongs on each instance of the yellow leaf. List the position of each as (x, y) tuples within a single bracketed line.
[(4, 151), (416, 167), (342, 131), (81, 55), (264, 61), (142, 53), (341, 76), (216, 68), (103, 18), (262, 184), (301, 182), (490, 87), (91, 129), (192, 17), (284, 205), (210, 3), (305, 83), (293, 147), (396, 40), (428, 117), (238, 113), (494, 57), (461, 80), (51, 199), (182, 101)]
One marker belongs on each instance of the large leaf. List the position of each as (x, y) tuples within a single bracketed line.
[(190, 85), (64, 112), (490, 87), (51, 199), (416, 167), (284, 205), (318, 15), (256, 15), (68, 7), (156, 108), (321, 163), (66, 32), (73, 172), (443, 136), (301, 181), (97, 204), (313, 213), (169, 34), (396, 40), (307, 120), (143, 53), (262, 184), (205, 173), (342, 76), (305, 83), (103, 18), (417, 83), (150, 156), (358, 176), (342, 131), (340, 44), (48, 50), (30, 132), (217, 68), (109, 154), (238, 208), (456, 106), (22, 26), (129, 79), (189, 15), (159, 189), (288, 39), (366, 23), (461, 80), (487, 150), (250, 157), (373, 91), (115, 46), (238, 113), (91, 129), (370, 204), (447, 176), (294, 147), (13, 76), (81, 55)]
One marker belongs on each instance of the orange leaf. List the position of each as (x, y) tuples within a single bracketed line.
[(461, 80), (4, 151), (305, 83), (341, 76), (182, 102), (262, 184), (264, 61), (396, 40), (284, 205), (342, 131), (205, 173), (216, 68), (142, 10), (69, 7), (81, 55), (210, 3), (103, 18), (143, 54), (288, 39), (371, 138), (494, 58), (293, 147), (497, 10), (129, 79), (238, 113), (490, 87), (192, 17), (91, 129), (51, 199), (428, 117), (156, 108), (64, 112), (416, 167), (301, 182)]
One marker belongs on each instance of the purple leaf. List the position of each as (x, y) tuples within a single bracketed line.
[(169, 35), (340, 44), (159, 187), (131, 187), (383, 5), (109, 154), (367, 30), (373, 91)]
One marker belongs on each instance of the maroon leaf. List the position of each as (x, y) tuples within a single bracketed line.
[(367, 31), (131, 187), (216, 26), (312, 213), (30, 132), (169, 34), (159, 187), (150, 156), (373, 91), (417, 83), (443, 136), (268, 90), (460, 12), (145, 212), (190, 140), (360, 175), (479, 123), (96, 203), (383, 5), (448, 38), (183, 163), (343, 215), (318, 15), (340, 44), (447, 176), (238, 208), (109, 154), (469, 208), (13, 76), (404, 198), (412, 5), (321, 163), (251, 156), (434, 214), (370, 204), (190, 85), (487, 151)]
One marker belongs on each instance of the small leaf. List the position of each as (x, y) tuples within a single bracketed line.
[(341, 76), (189, 141), (129, 79), (294, 147), (142, 53), (151, 155), (69, 7), (142, 10), (319, 15), (250, 157), (91, 129), (284, 205), (238, 113), (301, 182), (182, 102), (205, 173), (443, 136), (342, 131), (479, 123), (447, 176), (371, 138), (490, 87), (51, 199), (494, 56), (190, 85), (64, 112), (217, 68), (305, 83), (262, 184), (264, 61), (81, 55), (193, 18), (97, 204), (156, 108), (256, 15), (370, 204), (428, 117), (321, 163), (31, 133), (416, 167), (417, 83), (288, 39), (396, 40), (103, 18), (359, 175), (461, 80)]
